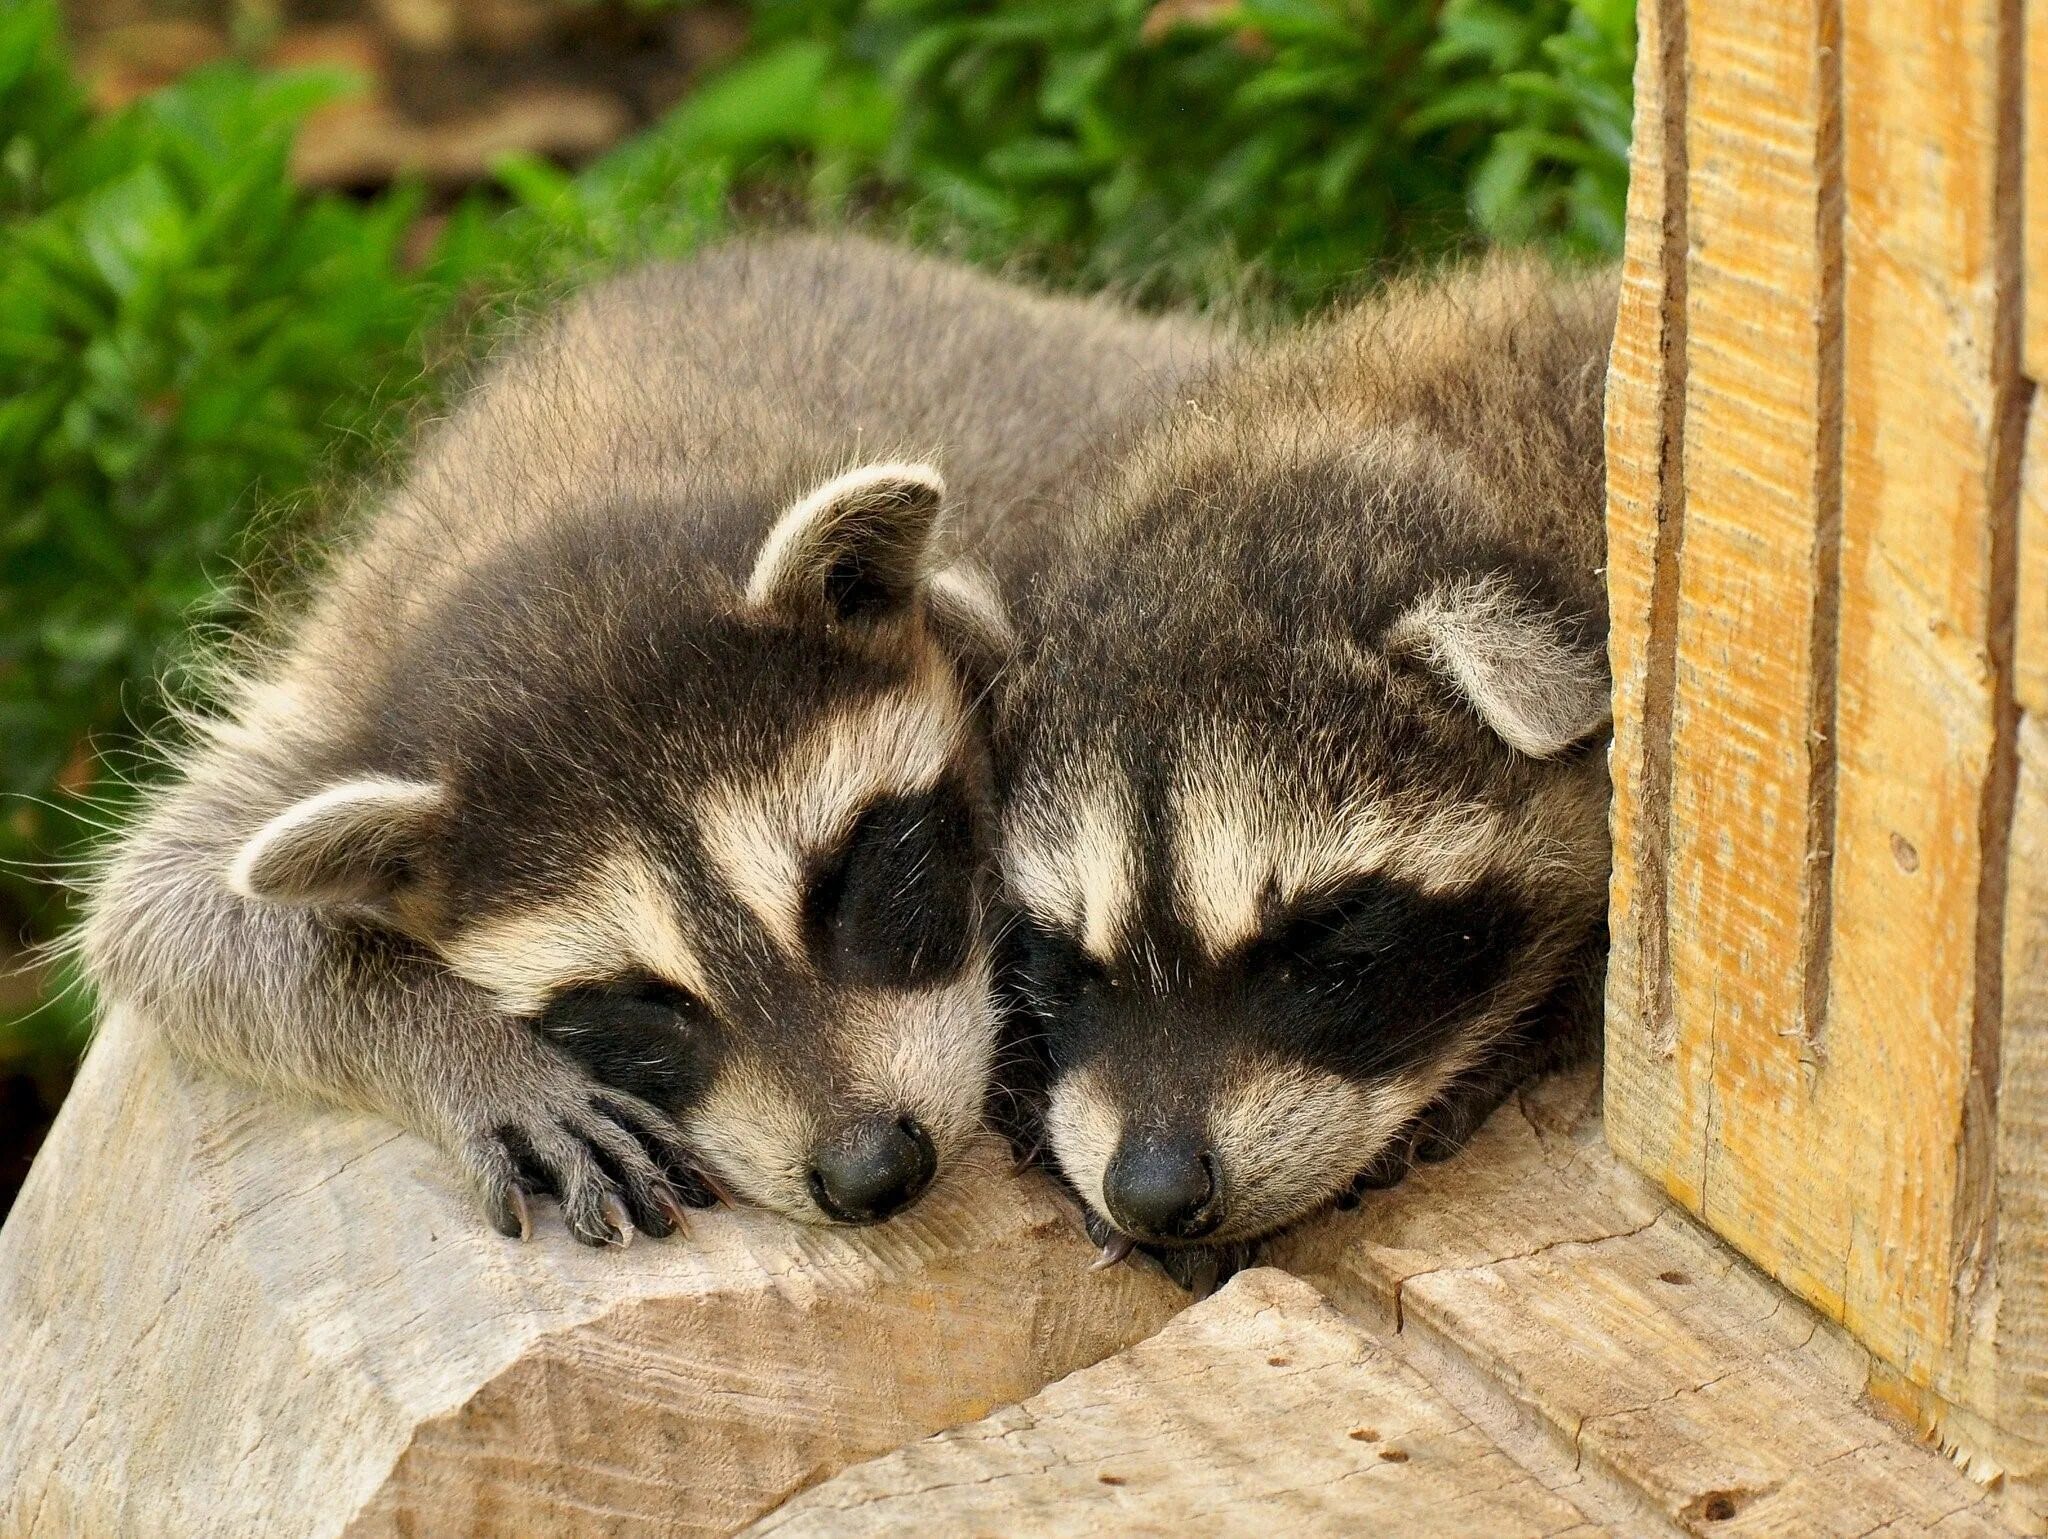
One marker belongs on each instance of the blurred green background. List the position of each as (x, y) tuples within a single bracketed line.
[(241, 239)]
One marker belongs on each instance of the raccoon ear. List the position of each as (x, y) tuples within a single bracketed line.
[(1527, 672), (856, 545), (968, 617), (353, 844)]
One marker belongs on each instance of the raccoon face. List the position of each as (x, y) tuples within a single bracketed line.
[(721, 842), (1265, 922)]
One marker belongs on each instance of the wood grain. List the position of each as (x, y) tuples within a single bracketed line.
[(1261, 1411), (2034, 122), (1838, 1066), (1538, 1284), (225, 1314), (1645, 520), (1750, 780), (1923, 794), (2019, 1402)]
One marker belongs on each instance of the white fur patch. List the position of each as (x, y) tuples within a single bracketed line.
[(1073, 859), (1248, 837), (761, 831), (621, 920), (1083, 1129), (1288, 1137), (1509, 660), (926, 1053), (790, 548), (757, 1135), (967, 592), (328, 846)]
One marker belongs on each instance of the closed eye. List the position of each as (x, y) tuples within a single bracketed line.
[(637, 1032), (1052, 966), (893, 904)]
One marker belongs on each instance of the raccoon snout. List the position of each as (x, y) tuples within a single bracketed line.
[(1161, 1188), (876, 1167)]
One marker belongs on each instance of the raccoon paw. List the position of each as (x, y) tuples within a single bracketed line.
[(1387, 1169), (1448, 1124), (615, 1165)]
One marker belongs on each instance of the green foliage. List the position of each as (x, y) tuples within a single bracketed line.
[(190, 347), (187, 342), (1166, 147)]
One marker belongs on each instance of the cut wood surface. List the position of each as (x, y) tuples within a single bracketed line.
[(1621, 1352), (1827, 1001), (225, 1314), (1260, 1412)]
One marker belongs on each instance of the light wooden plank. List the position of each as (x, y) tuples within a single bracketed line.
[(2035, 124), (1645, 512), (1753, 712), (1930, 380), (224, 1314), (1536, 1282), (2020, 1404), (1261, 1411)]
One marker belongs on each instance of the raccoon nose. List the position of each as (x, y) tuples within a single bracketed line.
[(878, 1166), (1162, 1189)]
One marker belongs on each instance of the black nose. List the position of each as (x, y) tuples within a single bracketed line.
[(876, 1167), (1162, 1189)]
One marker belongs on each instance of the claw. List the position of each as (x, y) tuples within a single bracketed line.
[(522, 1211), (1114, 1250), (716, 1186), (1020, 1163), (665, 1200), (622, 1225)]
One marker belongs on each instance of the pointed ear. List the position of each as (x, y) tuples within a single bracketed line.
[(857, 546), (1522, 667), (355, 844), (971, 623)]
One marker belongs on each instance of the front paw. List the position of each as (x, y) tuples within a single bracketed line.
[(614, 1163)]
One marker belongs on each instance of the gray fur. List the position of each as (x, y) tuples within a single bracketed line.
[(1333, 630), (545, 624)]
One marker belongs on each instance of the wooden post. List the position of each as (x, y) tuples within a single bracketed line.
[(1828, 1009)]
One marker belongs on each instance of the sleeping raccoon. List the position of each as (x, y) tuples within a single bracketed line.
[(1302, 787), (613, 816)]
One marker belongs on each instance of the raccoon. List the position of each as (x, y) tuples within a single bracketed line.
[(1302, 786), (614, 816)]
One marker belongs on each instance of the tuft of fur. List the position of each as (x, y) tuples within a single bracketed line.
[(613, 813), (1303, 792)]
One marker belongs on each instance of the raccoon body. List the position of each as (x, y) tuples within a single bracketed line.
[(1303, 797), (613, 815)]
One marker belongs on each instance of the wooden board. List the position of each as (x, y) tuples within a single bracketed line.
[(1539, 1285), (1645, 518), (1748, 783), (1262, 1411), (225, 1314), (1825, 970)]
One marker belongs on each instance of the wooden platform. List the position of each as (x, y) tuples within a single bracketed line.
[(225, 1315)]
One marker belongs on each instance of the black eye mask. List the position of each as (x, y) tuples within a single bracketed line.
[(638, 1034), (893, 905)]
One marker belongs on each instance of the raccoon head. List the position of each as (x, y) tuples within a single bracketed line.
[(1278, 886), (717, 834)]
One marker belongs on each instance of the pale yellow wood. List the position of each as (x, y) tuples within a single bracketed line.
[(1539, 1284), (1751, 728), (1642, 481), (224, 1314), (2019, 1401), (1259, 1413), (1838, 1066), (1906, 1091), (2034, 120)]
